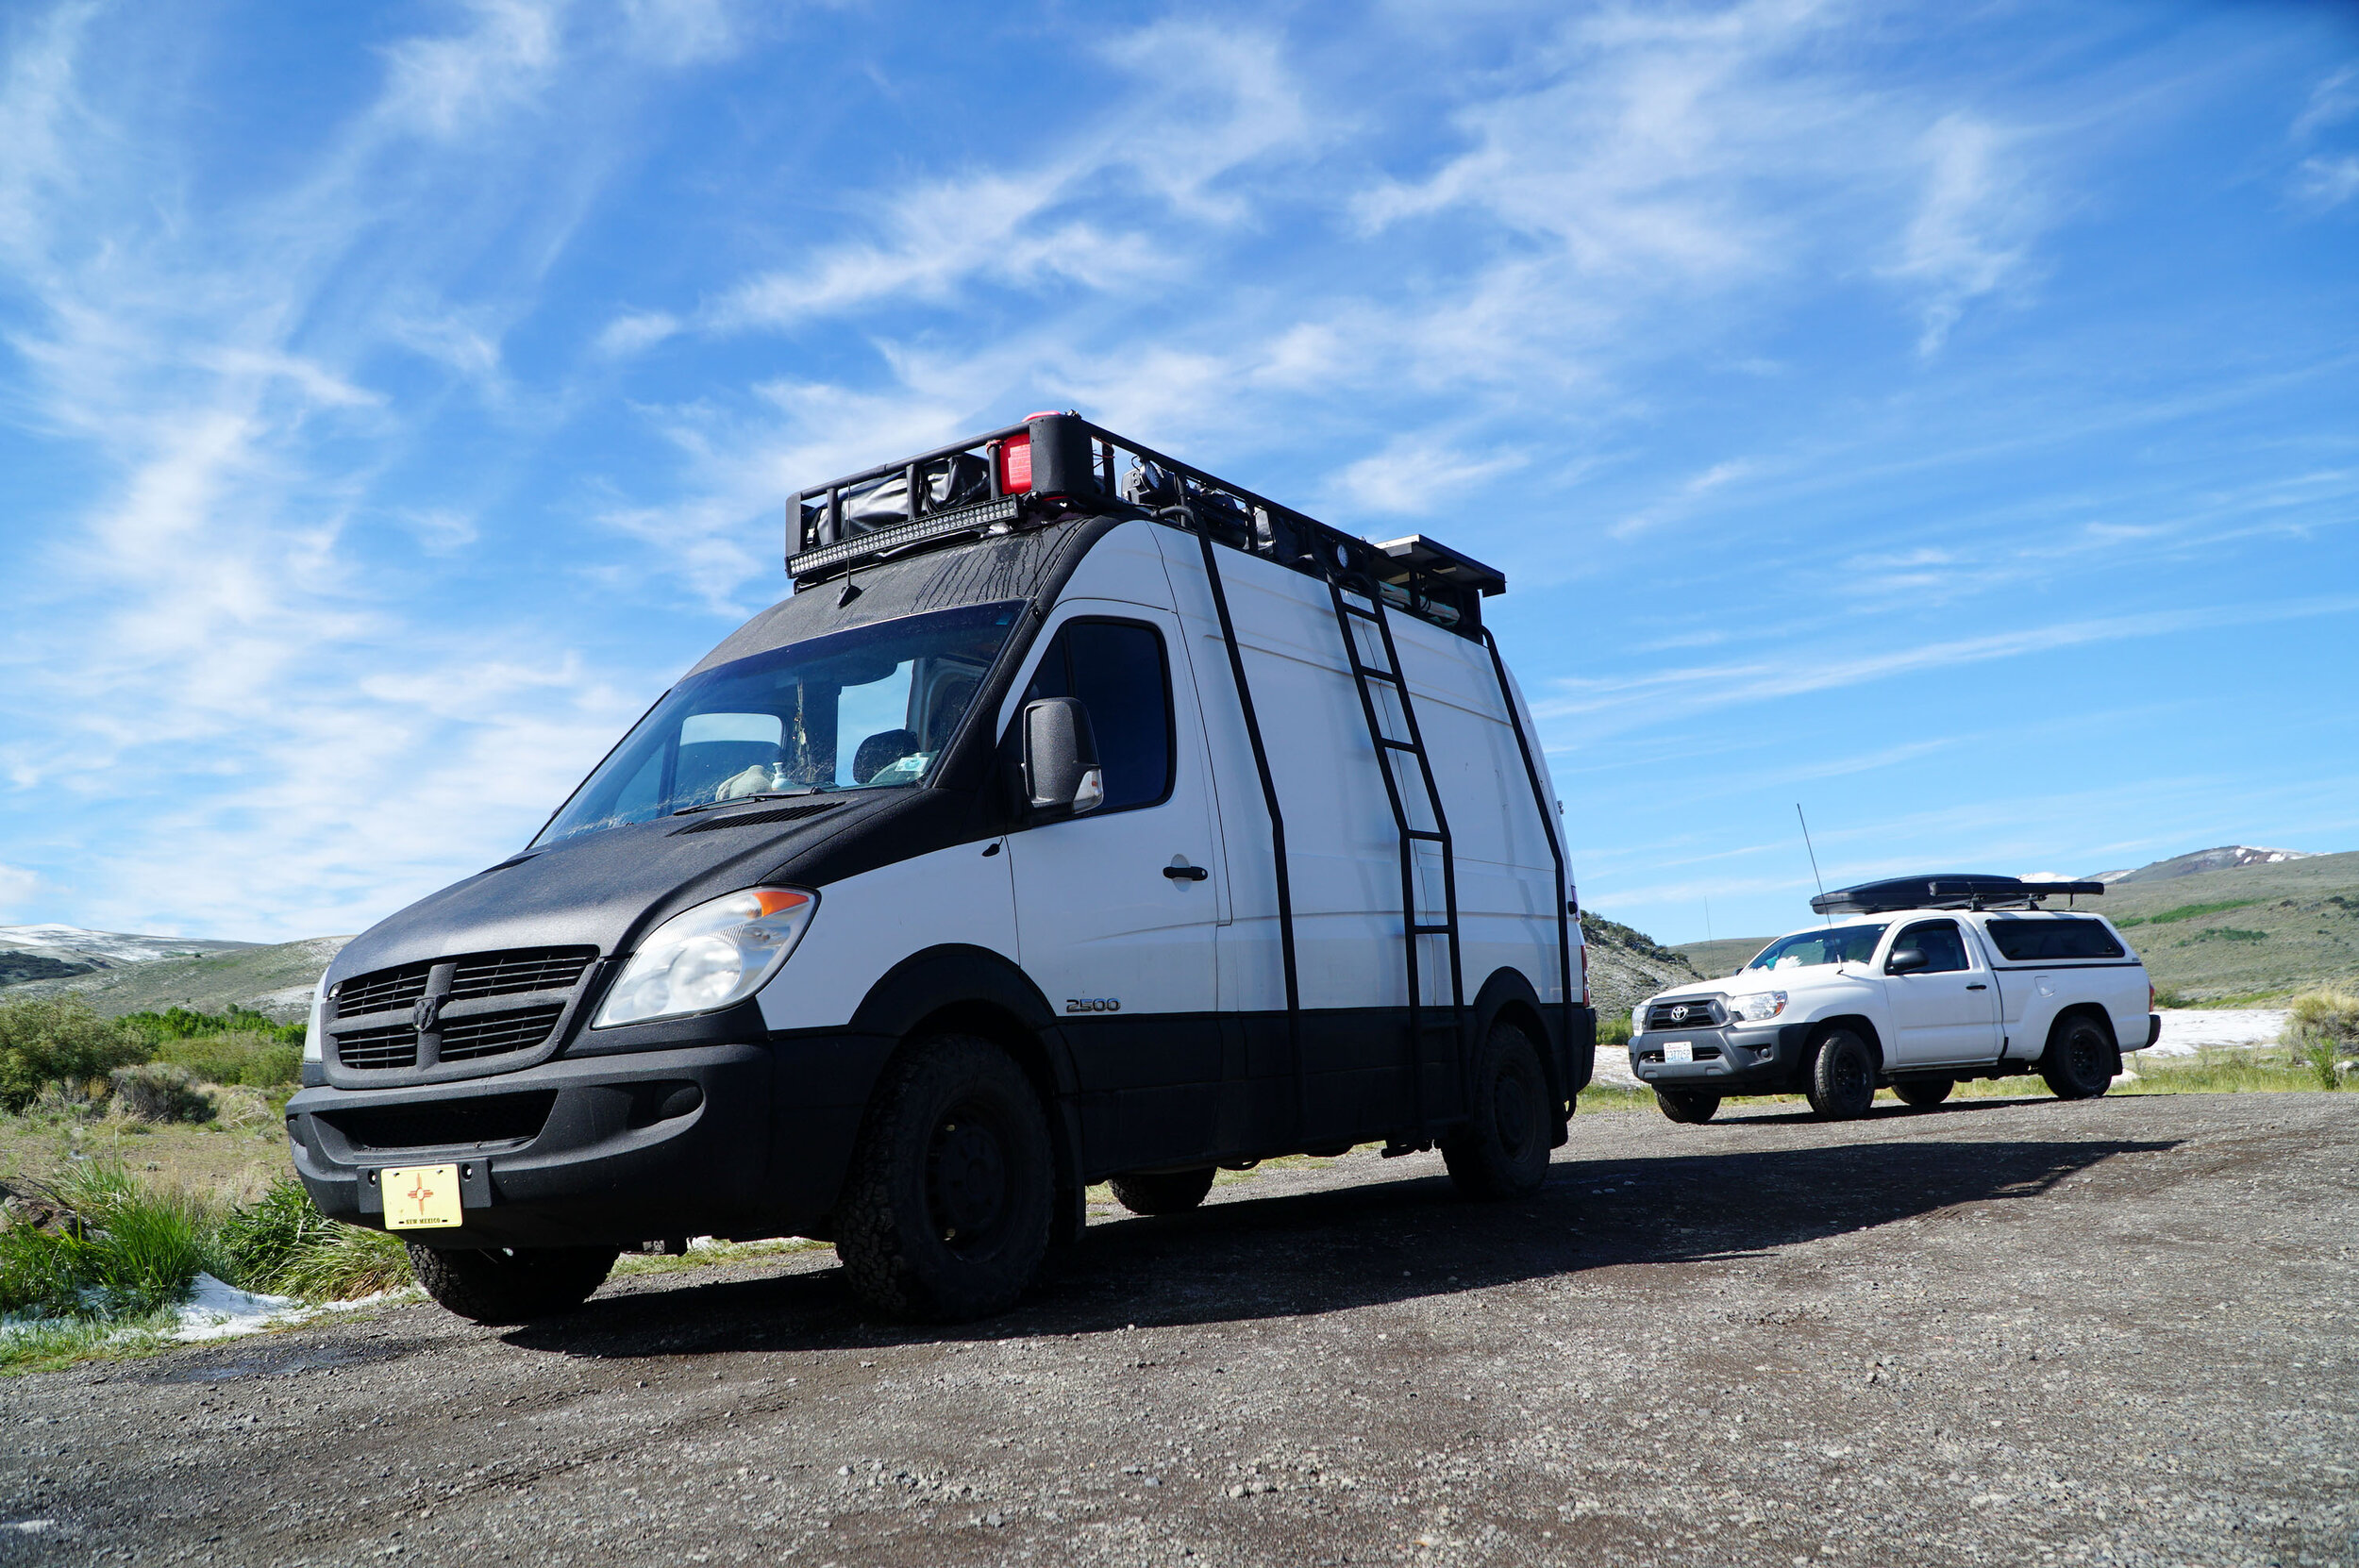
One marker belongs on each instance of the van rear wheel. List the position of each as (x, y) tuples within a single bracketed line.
[(2079, 1062), (1161, 1191), (946, 1213), (500, 1285), (1841, 1080), (1692, 1106), (1504, 1153)]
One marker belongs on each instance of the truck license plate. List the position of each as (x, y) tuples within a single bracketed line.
[(420, 1197), (1680, 1050)]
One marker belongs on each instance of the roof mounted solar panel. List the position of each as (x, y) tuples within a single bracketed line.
[(1944, 891)]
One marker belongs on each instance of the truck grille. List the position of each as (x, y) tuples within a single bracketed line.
[(1700, 1013), (460, 1001)]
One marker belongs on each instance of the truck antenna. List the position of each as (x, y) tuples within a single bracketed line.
[(1813, 858)]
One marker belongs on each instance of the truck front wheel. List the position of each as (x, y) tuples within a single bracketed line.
[(946, 1212), (497, 1285), (1692, 1106), (2079, 1064), (1842, 1078), (1504, 1153), (1161, 1191)]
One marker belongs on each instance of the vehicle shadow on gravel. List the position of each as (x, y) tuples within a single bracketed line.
[(1295, 1253)]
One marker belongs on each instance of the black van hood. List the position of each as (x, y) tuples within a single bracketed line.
[(603, 889)]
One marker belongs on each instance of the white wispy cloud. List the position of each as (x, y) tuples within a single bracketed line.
[(1967, 237)]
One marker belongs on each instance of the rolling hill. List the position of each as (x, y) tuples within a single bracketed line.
[(275, 980)]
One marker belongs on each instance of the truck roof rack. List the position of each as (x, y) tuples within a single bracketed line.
[(1056, 465), (1947, 890)]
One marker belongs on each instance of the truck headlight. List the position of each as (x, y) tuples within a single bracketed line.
[(1759, 1006), (314, 1038), (720, 952)]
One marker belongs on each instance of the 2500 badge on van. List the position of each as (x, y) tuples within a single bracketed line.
[(1256, 801)]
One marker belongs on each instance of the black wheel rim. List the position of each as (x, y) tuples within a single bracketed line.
[(1849, 1075), (1511, 1108), (2086, 1053), (967, 1179)]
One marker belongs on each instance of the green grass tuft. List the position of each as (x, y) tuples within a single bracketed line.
[(281, 1244)]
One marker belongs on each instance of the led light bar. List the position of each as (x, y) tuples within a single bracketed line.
[(973, 519)]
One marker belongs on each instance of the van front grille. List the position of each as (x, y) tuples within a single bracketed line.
[(382, 992), (377, 1050), (444, 1123), (507, 973), (464, 1039)]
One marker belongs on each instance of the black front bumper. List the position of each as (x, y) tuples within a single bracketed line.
[(740, 1140), (1731, 1059)]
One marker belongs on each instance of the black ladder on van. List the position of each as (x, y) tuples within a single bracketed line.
[(1363, 584)]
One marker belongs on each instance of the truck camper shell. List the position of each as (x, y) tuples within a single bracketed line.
[(1226, 829)]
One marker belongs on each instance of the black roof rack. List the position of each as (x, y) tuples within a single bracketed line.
[(1056, 465), (1947, 890)]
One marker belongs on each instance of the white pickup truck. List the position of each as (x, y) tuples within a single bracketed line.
[(1913, 984)]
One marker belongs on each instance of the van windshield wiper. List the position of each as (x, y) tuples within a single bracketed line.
[(764, 794)]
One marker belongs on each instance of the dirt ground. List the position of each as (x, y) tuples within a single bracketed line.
[(2006, 1332)]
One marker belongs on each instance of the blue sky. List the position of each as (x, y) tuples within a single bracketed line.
[(1943, 417)]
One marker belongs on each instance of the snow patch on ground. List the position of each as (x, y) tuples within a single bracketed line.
[(2188, 1030)]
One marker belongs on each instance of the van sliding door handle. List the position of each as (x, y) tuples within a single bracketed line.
[(1186, 873)]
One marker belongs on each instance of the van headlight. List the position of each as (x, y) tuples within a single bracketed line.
[(315, 1038), (1759, 1006), (720, 952)]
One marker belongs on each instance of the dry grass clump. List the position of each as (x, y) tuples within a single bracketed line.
[(2322, 1027)]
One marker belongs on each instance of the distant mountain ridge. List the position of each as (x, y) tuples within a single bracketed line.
[(122, 971), (2226, 857)]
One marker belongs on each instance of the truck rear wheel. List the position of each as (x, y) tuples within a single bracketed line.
[(1692, 1106), (1161, 1191), (1924, 1093), (498, 1285), (1504, 1153), (946, 1211), (2079, 1062), (1841, 1082)]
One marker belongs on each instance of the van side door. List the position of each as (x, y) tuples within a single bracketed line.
[(1115, 908), (1945, 1009)]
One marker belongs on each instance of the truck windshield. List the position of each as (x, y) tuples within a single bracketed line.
[(1837, 945), (868, 708)]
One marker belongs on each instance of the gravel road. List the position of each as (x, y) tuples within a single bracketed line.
[(2005, 1331)]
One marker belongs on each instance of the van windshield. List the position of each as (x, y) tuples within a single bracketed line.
[(868, 708), (1837, 945)]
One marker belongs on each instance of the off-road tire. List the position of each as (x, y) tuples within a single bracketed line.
[(1504, 1152), (2079, 1062), (1694, 1106), (946, 1212), (1161, 1191), (502, 1285), (1841, 1077), (1924, 1094)]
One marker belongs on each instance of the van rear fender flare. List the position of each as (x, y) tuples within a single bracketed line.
[(1510, 997), (966, 990)]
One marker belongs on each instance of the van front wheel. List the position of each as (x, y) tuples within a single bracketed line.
[(1504, 1153), (947, 1210), (500, 1285)]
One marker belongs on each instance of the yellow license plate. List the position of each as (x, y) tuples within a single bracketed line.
[(420, 1197)]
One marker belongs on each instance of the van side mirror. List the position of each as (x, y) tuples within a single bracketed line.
[(1904, 960), (1061, 768)]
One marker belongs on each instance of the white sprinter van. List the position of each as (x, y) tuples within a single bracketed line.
[(1058, 827)]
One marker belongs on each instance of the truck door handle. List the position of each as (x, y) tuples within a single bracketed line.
[(1977, 986), (1186, 873)]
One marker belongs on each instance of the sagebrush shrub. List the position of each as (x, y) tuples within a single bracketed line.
[(2323, 1026), (159, 1092), (46, 1040)]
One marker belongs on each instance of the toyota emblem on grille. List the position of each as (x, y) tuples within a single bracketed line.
[(1678, 1015)]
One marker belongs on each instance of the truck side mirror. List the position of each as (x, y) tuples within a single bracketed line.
[(1061, 768), (1904, 960)]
